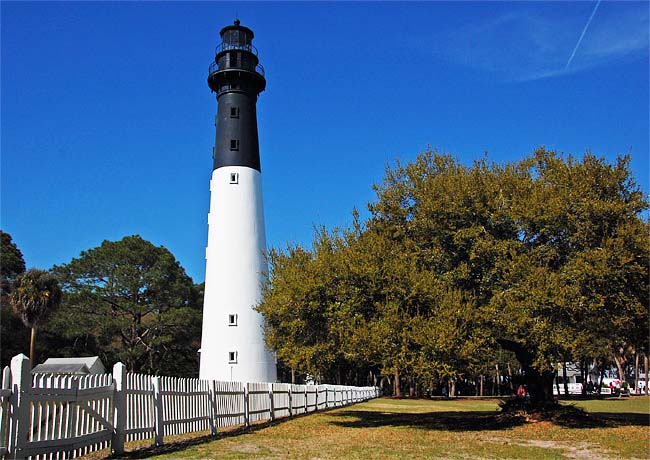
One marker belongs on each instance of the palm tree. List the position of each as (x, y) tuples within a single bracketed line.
[(36, 294)]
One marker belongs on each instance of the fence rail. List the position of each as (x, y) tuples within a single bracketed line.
[(48, 416)]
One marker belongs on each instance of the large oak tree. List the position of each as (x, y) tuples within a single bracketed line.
[(546, 257)]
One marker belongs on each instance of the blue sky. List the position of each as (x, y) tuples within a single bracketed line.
[(107, 120)]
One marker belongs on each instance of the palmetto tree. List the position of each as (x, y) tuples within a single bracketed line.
[(36, 294)]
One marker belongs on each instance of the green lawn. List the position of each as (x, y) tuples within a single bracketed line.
[(421, 429)]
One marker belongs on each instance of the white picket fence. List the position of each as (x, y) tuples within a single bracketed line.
[(59, 417)]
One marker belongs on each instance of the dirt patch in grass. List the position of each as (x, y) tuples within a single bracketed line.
[(577, 451), (581, 451), (245, 447)]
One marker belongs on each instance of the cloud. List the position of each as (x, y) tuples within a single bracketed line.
[(529, 43)]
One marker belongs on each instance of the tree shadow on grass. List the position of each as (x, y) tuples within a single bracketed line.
[(177, 445), (623, 418), (480, 421), (169, 448), (444, 421)]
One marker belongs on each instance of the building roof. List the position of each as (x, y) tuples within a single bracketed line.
[(93, 363), (70, 368)]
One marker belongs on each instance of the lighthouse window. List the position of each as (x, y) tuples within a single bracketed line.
[(234, 112), (234, 178), (232, 320), (232, 357), (234, 144)]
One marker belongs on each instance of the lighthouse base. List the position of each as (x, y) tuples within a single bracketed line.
[(232, 343)]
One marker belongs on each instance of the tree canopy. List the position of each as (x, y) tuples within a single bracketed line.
[(546, 257), (12, 262), (131, 301), (14, 335), (34, 297)]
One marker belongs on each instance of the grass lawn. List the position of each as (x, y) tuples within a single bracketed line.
[(422, 429)]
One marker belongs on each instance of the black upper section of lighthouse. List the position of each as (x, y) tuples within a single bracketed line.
[(237, 77)]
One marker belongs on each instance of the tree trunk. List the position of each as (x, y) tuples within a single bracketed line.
[(293, 376), (32, 347), (397, 392), (636, 372), (564, 381), (602, 376), (539, 383), (481, 383), (645, 364), (498, 380), (452, 392), (557, 384), (619, 368), (512, 387)]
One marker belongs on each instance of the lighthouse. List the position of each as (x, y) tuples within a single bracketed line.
[(232, 342)]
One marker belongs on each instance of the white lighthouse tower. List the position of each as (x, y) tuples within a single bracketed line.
[(232, 343)]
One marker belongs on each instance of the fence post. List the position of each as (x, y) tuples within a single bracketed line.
[(119, 401), (4, 421), (305, 399), (158, 410), (246, 414), (212, 391), (290, 400), (21, 385), (272, 404), (73, 429), (316, 400)]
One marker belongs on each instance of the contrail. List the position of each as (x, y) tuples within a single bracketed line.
[(582, 35)]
